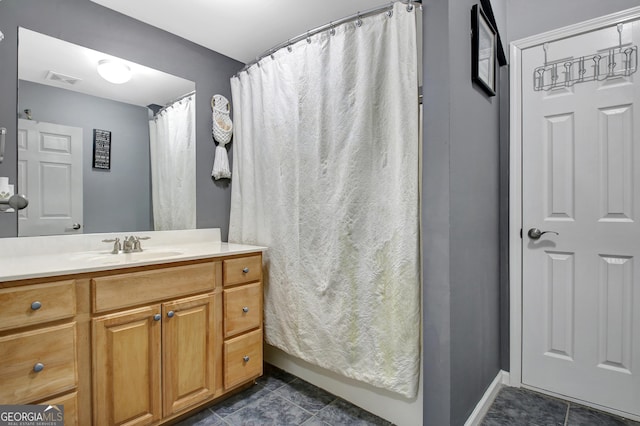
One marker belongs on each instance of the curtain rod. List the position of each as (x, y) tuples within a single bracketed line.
[(356, 16), (170, 104)]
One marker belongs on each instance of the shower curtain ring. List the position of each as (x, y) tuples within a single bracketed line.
[(358, 21), (409, 6), (289, 48), (308, 37), (333, 30)]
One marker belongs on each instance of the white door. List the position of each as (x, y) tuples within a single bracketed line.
[(581, 179), (50, 175)]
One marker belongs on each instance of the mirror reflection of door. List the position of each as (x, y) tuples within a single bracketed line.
[(50, 171)]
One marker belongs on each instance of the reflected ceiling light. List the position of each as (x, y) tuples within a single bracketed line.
[(113, 71)]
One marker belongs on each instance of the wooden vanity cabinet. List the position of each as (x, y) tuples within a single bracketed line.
[(137, 346), (242, 295), (156, 360), (38, 345)]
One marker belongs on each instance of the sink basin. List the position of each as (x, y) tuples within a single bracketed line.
[(107, 258), (152, 254)]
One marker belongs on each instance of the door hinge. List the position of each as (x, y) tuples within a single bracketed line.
[(520, 233)]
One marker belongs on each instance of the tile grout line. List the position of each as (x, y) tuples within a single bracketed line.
[(302, 408)]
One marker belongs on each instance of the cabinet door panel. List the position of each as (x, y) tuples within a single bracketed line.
[(188, 339), (126, 368)]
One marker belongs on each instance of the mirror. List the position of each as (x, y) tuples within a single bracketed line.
[(84, 156)]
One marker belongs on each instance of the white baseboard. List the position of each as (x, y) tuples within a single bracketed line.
[(487, 399)]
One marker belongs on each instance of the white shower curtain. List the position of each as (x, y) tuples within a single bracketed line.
[(326, 175), (172, 135)]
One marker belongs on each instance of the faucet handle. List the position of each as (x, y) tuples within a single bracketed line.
[(137, 247), (116, 245)]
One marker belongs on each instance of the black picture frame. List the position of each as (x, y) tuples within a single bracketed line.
[(101, 149), (483, 51)]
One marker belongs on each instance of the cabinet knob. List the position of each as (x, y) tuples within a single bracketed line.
[(157, 317), (36, 305), (170, 314), (245, 270), (245, 309), (38, 367), (245, 358)]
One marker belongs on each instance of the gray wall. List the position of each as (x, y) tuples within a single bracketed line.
[(88, 24), (526, 17), (113, 200), (460, 220)]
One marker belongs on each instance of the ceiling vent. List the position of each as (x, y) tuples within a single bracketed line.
[(62, 78)]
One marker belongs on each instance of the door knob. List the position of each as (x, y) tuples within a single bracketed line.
[(76, 226), (535, 233)]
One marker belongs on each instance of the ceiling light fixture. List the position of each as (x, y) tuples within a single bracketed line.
[(113, 71)]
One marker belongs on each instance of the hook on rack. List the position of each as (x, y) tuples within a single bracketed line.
[(545, 47), (3, 135), (616, 63), (619, 28)]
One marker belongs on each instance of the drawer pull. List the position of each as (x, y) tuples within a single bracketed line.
[(170, 314), (36, 305), (38, 367), (245, 309), (157, 317), (245, 270), (245, 358)]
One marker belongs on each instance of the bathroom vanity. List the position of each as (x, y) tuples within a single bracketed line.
[(137, 338)]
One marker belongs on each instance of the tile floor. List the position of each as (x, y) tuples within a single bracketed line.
[(524, 407), (282, 399)]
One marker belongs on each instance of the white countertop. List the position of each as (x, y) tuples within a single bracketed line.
[(35, 257)]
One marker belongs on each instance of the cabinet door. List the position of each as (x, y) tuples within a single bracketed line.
[(188, 338), (126, 367)]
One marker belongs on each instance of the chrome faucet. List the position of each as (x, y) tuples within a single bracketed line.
[(129, 245)]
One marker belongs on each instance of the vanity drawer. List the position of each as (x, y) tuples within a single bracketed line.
[(242, 270), (242, 308), (33, 304), (53, 348), (70, 403), (136, 288), (242, 358)]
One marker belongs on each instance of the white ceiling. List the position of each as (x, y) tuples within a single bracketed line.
[(38, 54), (240, 29)]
